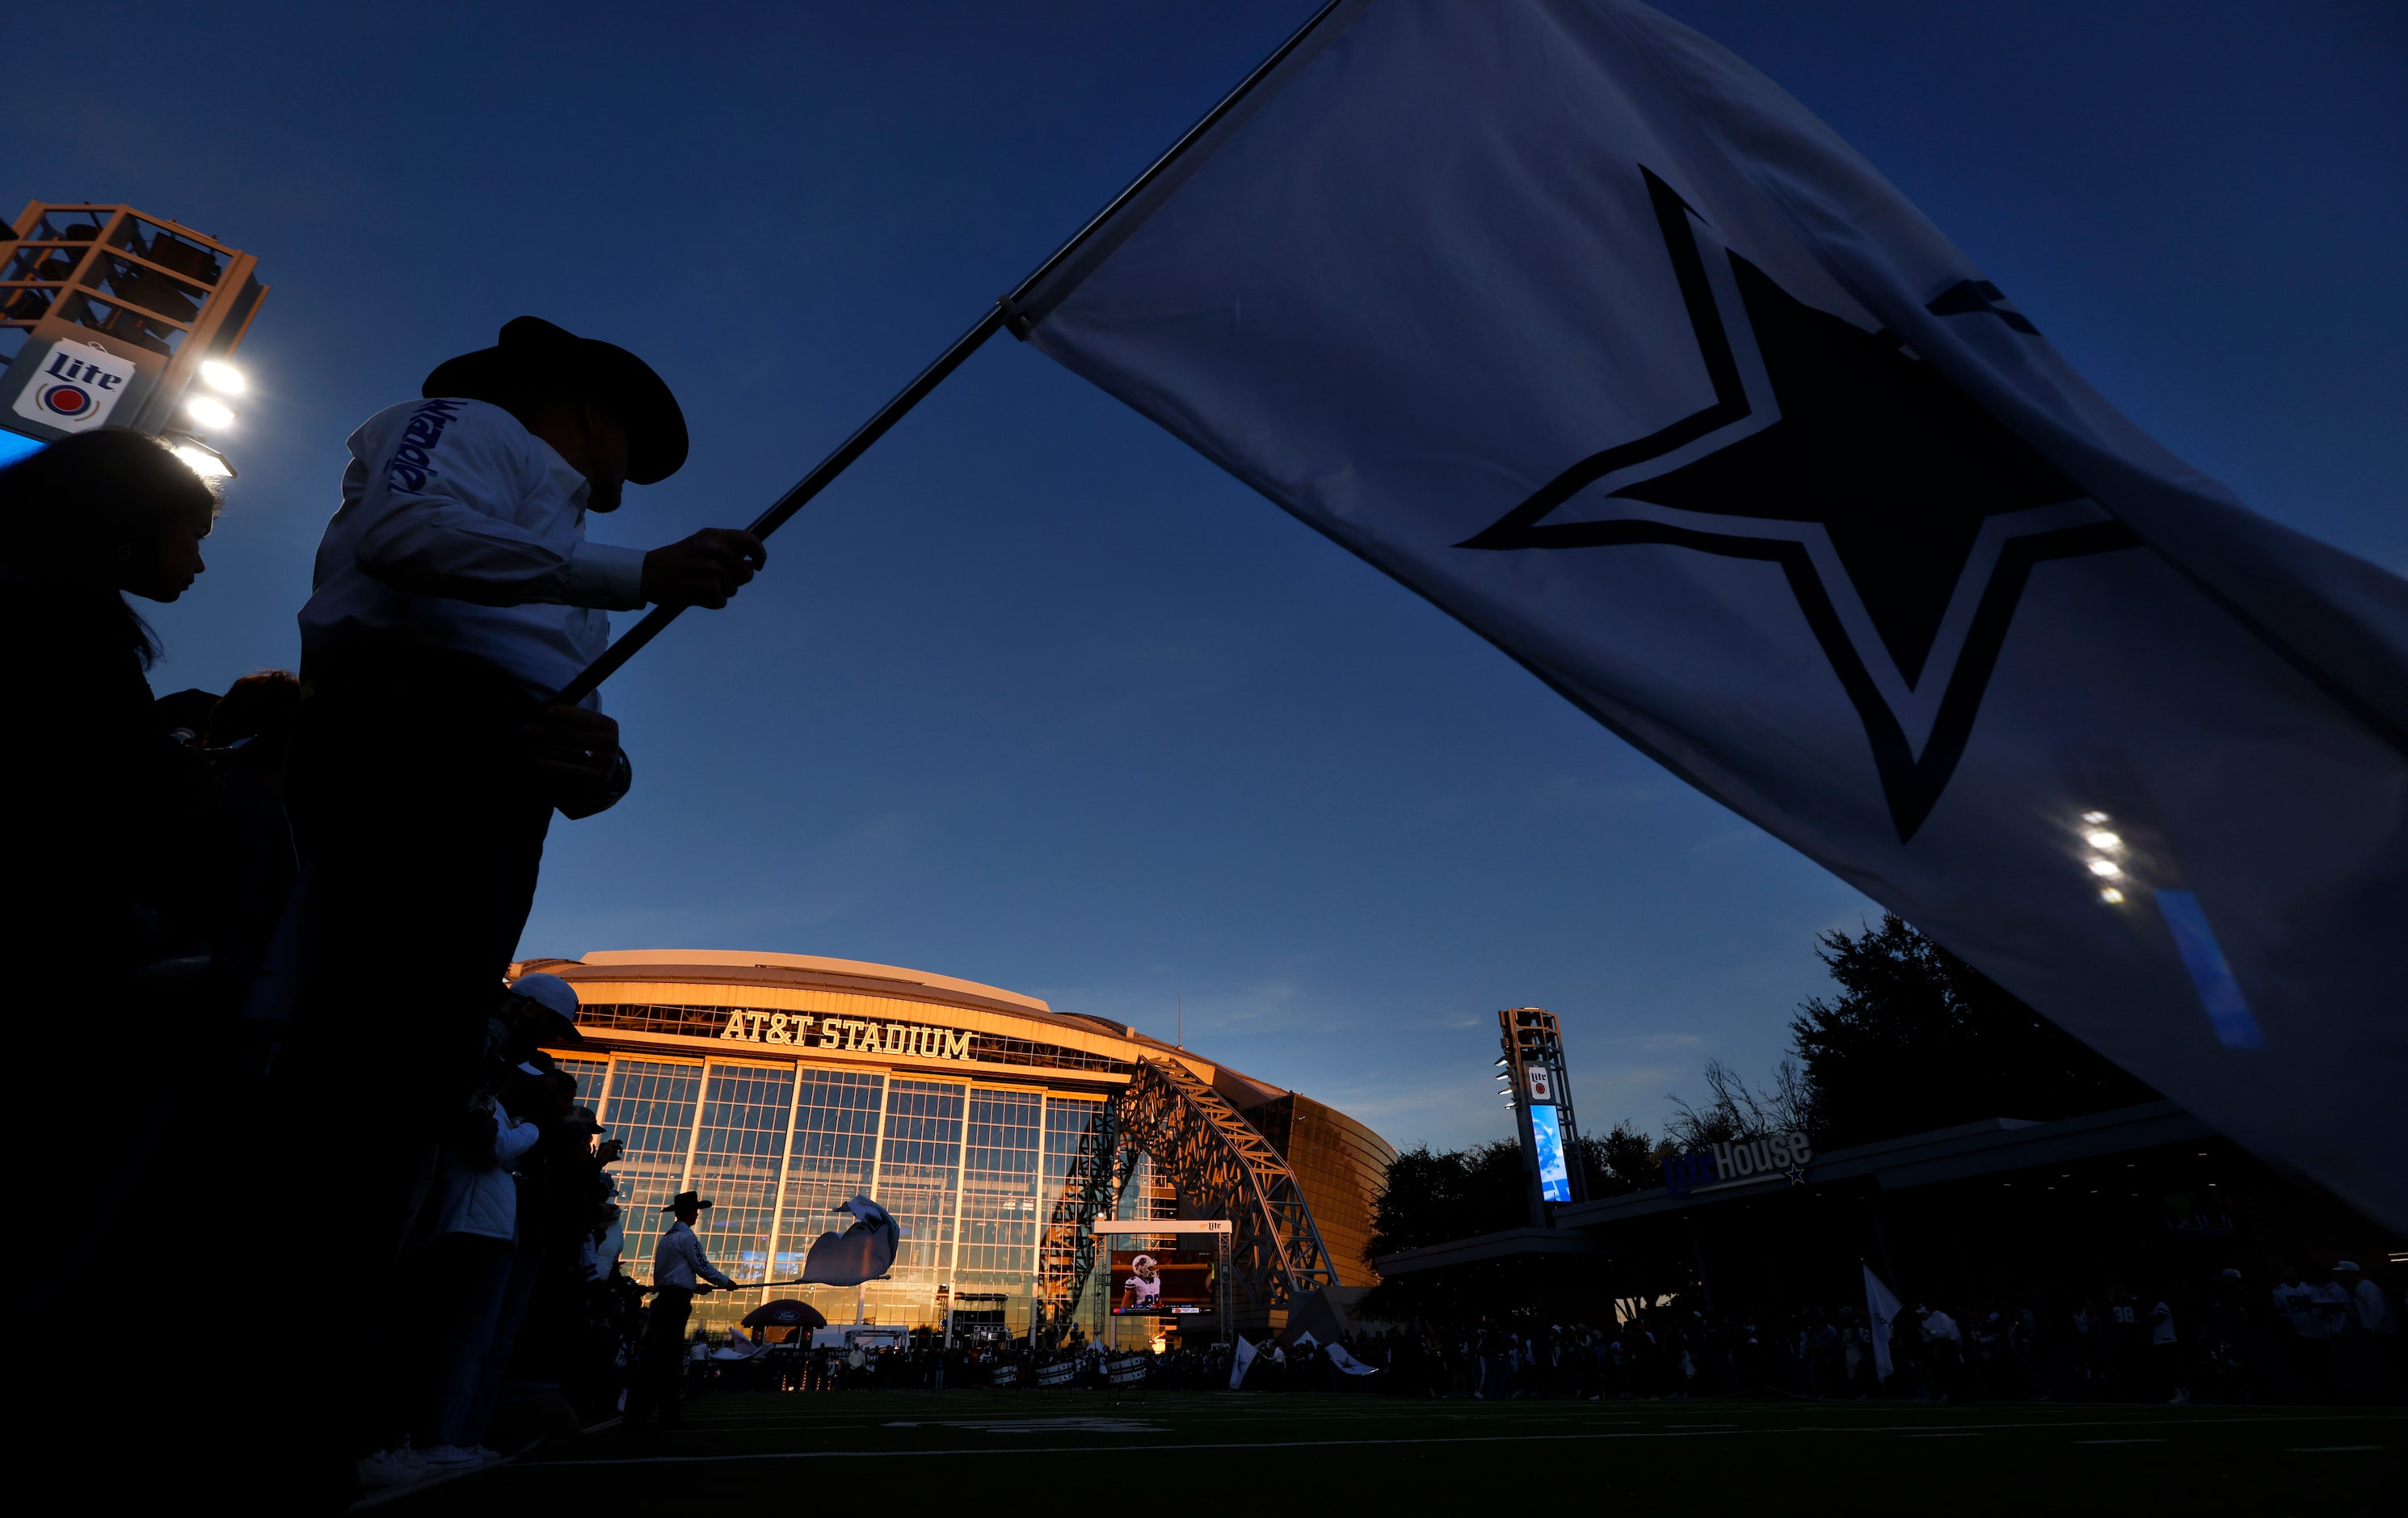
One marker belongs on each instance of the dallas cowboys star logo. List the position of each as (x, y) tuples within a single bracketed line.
[(1906, 519)]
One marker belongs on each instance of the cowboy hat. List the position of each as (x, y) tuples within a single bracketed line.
[(687, 1199), (534, 356)]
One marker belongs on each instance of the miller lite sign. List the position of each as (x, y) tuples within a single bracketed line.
[(76, 388)]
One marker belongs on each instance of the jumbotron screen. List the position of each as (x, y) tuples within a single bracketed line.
[(1149, 1284)]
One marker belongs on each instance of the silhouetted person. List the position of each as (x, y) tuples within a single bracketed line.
[(103, 802), (678, 1270), (248, 744), (455, 591), (103, 807)]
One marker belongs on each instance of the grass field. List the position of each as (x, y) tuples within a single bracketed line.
[(1192, 1453)]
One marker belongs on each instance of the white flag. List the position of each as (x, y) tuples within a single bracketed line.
[(1243, 1363), (863, 1253), (1582, 328), (1881, 1311), (1346, 1362)]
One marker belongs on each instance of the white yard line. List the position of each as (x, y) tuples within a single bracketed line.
[(1475, 1438)]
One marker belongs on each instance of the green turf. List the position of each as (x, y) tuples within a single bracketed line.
[(1195, 1454)]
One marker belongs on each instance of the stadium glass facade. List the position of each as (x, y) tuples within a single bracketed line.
[(779, 1085)]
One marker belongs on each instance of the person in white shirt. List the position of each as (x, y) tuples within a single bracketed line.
[(2375, 1313), (454, 592), (2380, 1324), (2307, 1349), (678, 1270), (465, 1271)]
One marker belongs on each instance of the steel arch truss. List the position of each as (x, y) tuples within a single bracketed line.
[(1220, 1167)]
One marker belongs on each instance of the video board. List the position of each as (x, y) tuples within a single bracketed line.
[(1554, 1175), (1150, 1284)]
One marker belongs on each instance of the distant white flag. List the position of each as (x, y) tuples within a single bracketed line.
[(1577, 325), (863, 1253), (1243, 1363), (1345, 1361), (1880, 1310)]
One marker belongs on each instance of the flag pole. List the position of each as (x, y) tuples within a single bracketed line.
[(632, 641), (793, 500)]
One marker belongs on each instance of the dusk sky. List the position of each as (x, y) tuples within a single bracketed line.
[(1038, 697)]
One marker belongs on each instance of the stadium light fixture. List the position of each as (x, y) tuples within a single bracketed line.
[(209, 411), (198, 456), (222, 377), (2103, 868), (2103, 839)]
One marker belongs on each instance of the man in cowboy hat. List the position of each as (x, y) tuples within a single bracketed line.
[(660, 1378), (455, 591)]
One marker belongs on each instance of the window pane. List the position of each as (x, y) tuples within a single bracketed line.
[(737, 1153), (835, 1160), (1000, 1172), (918, 1164), (652, 1108), (1073, 1131)]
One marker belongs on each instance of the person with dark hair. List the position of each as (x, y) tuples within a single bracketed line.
[(105, 808), (105, 803), (454, 592)]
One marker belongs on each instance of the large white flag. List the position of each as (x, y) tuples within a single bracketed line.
[(1577, 325), (1880, 1314), (863, 1253)]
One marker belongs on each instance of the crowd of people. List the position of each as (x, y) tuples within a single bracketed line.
[(2291, 1340), (2325, 1336), (313, 882)]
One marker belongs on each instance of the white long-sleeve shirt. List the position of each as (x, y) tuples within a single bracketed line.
[(478, 1193), (461, 530), (679, 1259)]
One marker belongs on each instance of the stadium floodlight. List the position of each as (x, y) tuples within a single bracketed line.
[(201, 459), (221, 376), (209, 411)]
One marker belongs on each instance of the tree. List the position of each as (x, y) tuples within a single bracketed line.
[(1737, 1111), (1437, 1197), (1621, 1161), (1917, 1039)]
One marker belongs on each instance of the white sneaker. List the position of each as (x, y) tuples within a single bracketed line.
[(408, 1461), (449, 1457), (377, 1472), (484, 1454)]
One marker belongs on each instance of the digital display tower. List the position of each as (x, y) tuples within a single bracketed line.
[(1540, 1092)]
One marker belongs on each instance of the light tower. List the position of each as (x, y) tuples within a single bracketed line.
[(1537, 1088), (110, 317)]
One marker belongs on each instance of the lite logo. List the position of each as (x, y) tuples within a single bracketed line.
[(77, 389)]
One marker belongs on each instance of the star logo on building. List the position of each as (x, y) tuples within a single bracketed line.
[(1905, 519)]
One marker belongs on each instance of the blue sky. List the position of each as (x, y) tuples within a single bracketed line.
[(1036, 696)]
